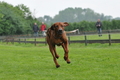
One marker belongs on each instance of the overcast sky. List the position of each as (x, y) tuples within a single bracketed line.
[(52, 7)]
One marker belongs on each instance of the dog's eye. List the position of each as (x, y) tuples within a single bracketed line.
[(56, 26)]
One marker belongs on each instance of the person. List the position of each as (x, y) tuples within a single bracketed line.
[(98, 26), (43, 28), (35, 29)]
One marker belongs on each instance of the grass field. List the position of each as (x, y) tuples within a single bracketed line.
[(29, 62)]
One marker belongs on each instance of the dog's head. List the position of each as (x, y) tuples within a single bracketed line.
[(59, 27)]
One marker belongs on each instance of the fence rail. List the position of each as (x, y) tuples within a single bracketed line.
[(73, 41), (96, 41), (70, 41)]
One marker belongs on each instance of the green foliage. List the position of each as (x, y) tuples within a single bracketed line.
[(15, 20), (90, 26)]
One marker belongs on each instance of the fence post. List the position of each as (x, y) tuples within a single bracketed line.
[(45, 41), (19, 40), (6, 40), (13, 41), (69, 39), (35, 41), (25, 40), (85, 39), (109, 39)]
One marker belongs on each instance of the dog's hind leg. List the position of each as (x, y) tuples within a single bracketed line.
[(54, 56)]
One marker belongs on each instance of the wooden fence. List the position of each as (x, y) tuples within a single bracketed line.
[(109, 40), (85, 41)]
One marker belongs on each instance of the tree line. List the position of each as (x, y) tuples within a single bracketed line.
[(15, 19), (75, 15), (90, 25), (19, 19)]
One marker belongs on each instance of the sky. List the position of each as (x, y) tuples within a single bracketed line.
[(52, 7)]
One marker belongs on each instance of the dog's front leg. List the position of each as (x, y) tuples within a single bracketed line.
[(65, 47), (56, 55)]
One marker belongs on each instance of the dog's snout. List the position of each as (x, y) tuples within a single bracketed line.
[(60, 31)]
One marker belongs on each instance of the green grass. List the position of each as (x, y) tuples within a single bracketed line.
[(27, 62)]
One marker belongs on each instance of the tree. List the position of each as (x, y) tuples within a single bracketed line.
[(15, 20)]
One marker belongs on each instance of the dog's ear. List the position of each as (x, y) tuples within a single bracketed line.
[(52, 27), (65, 24)]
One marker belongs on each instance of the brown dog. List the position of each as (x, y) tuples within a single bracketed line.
[(57, 36)]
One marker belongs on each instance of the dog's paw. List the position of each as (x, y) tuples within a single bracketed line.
[(57, 56), (57, 66), (68, 62)]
